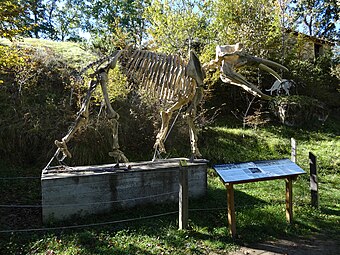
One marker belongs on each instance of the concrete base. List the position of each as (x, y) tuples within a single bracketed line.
[(84, 190)]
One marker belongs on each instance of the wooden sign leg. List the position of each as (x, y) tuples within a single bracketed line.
[(231, 210), (289, 199)]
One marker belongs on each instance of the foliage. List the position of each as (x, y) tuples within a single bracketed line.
[(38, 18), (30, 105), (177, 26), (37, 103), (315, 79), (299, 111), (102, 15), (10, 18), (10, 60), (254, 23), (66, 20), (319, 17), (50, 19), (336, 71), (105, 44)]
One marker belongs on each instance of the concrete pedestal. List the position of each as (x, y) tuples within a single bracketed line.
[(85, 190)]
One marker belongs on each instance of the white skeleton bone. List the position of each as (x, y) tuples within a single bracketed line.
[(169, 78), (230, 49), (278, 85)]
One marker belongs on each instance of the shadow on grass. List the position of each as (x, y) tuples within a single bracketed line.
[(224, 146), (330, 211)]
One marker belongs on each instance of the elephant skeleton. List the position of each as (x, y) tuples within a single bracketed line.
[(171, 80)]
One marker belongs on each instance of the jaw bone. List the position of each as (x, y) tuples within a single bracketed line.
[(232, 57)]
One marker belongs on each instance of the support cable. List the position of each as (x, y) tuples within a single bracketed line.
[(88, 225), (95, 203)]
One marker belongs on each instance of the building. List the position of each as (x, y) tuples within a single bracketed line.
[(307, 47)]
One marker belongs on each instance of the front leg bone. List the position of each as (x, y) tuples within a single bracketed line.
[(193, 137), (190, 116)]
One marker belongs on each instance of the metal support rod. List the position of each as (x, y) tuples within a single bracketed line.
[(313, 180), (293, 153)]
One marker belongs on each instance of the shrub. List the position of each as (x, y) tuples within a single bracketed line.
[(33, 97)]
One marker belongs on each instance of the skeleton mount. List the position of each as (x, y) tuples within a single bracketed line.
[(170, 79)]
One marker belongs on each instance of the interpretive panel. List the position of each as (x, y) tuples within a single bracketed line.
[(257, 170)]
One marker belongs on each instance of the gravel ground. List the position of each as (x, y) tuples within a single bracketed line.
[(318, 245)]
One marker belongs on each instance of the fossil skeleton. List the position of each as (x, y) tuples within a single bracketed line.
[(170, 79)]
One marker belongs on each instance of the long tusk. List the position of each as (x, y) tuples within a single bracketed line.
[(269, 63), (271, 71)]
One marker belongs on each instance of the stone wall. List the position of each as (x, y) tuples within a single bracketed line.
[(82, 191)]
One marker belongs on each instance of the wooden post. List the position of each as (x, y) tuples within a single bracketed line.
[(293, 153), (231, 209), (183, 199), (289, 199), (313, 180)]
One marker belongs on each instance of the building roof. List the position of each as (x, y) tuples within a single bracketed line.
[(313, 38)]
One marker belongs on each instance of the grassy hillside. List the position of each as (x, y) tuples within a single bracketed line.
[(71, 53), (39, 99)]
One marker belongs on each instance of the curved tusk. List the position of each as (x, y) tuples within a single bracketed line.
[(271, 71), (269, 63)]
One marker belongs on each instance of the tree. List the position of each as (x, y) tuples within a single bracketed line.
[(284, 19), (317, 17), (66, 18), (40, 18), (178, 25), (102, 15), (35, 18), (254, 23), (11, 23)]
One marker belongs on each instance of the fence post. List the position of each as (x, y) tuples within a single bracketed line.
[(313, 180), (183, 199), (293, 153)]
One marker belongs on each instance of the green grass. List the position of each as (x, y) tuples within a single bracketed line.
[(260, 206), (72, 53)]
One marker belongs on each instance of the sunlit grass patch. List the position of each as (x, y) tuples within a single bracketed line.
[(71, 52)]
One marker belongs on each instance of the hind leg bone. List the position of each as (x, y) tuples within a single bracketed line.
[(166, 116), (116, 153)]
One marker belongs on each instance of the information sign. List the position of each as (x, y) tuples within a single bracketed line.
[(253, 171)]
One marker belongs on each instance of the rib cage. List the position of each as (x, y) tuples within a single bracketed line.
[(161, 76)]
